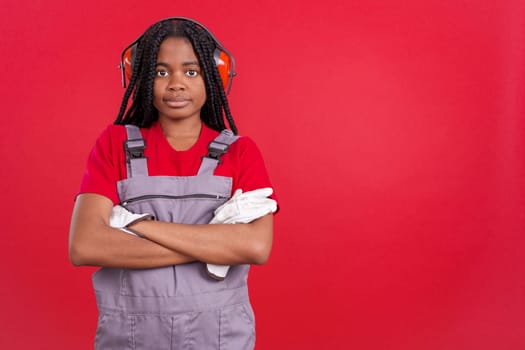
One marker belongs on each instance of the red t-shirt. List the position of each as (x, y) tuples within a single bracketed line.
[(107, 161)]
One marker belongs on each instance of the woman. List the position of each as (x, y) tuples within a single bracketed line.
[(169, 154)]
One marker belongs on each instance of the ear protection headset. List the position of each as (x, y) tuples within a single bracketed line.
[(223, 58)]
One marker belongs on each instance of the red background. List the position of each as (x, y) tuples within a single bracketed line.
[(393, 132)]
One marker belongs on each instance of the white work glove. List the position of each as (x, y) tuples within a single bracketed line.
[(241, 208), (121, 218), (245, 207)]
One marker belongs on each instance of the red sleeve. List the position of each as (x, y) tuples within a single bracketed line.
[(249, 170), (104, 164)]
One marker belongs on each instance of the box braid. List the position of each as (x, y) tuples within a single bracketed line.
[(142, 112)]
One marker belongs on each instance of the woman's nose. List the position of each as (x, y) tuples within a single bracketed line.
[(176, 82)]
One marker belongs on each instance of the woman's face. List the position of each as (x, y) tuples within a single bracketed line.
[(179, 89)]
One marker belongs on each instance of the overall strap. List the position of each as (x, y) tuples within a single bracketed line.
[(134, 147), (216, 149)]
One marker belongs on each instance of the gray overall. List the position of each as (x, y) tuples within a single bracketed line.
[(173, 307)]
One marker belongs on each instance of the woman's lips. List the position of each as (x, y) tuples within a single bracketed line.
[(176, 102)]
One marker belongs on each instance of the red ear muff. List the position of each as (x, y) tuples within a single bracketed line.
[(223, 59), (127, 59), (224, 64)]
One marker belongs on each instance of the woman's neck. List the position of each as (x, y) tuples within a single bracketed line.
[(181, 135)]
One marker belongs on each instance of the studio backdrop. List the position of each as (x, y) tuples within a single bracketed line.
[(393, 132)]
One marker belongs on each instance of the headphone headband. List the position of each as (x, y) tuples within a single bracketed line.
[(223, 58)]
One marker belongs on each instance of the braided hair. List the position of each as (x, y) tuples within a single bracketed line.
[(142, 113)]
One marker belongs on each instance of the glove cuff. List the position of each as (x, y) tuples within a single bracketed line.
[(140, 218)]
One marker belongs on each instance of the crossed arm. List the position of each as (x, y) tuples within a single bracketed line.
[(93, 242)]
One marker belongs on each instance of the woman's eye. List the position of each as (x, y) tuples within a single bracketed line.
[(162, 73), (192, 73)]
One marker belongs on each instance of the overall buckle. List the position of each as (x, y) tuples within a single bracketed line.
[(135, 148)]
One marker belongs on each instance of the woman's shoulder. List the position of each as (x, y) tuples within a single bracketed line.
[(244, 143), (112, 132), (117, 134), (239, 141)]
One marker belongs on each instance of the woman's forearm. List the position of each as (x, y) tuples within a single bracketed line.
[(226, 244), (93, 242)]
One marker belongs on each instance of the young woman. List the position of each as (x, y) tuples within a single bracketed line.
[(169, 154)]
